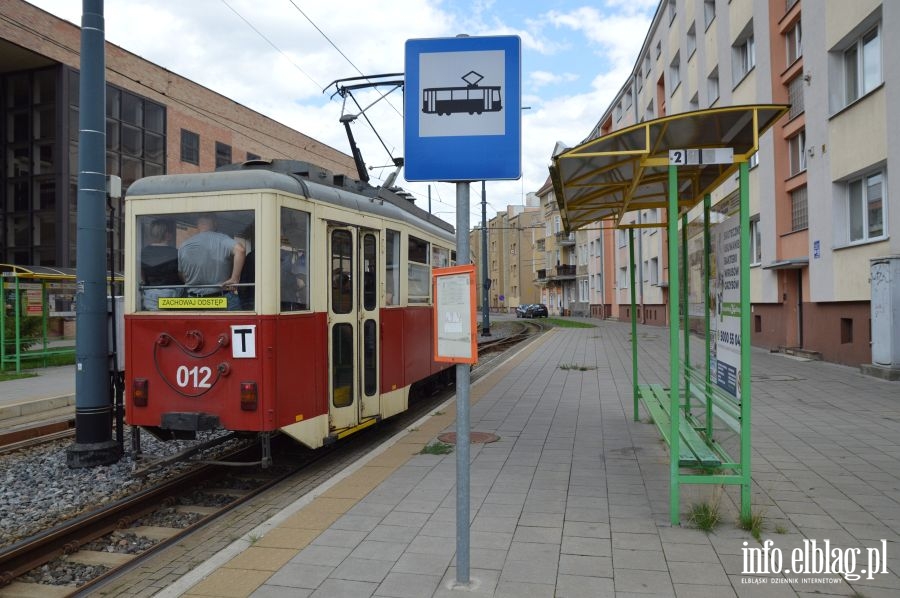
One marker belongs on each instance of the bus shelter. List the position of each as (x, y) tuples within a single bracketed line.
[(37, 319), (675, 163)]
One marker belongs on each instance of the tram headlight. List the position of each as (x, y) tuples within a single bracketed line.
[(249, 396), (140, 392)]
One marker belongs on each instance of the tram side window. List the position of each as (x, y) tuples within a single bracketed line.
[(392, 267), (294, 265), (440, 257), (419, 275), (186, 256)]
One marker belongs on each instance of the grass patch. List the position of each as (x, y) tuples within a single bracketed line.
[(561, 323), (437, 448), (649, 420), (705, 516), (781, 529), (753, 523), (31, 362), (576, 366)]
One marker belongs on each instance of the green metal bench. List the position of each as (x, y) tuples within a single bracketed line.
[(694, 449)]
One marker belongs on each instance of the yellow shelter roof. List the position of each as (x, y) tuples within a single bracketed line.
[(627, 170)]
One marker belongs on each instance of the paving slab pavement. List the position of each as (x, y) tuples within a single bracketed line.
[(572, 500)]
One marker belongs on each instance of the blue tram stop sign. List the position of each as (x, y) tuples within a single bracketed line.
[(463, 109)]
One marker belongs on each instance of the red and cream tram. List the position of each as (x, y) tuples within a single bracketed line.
[(320, 332)]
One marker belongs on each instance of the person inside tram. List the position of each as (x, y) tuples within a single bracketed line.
[(159, 264), (294, 294), (211, 262), (247, 288)]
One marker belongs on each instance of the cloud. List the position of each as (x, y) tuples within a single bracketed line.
[(539, 79)]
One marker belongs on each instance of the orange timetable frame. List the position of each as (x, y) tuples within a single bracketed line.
[(455, 337)]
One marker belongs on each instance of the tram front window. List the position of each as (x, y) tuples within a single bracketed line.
[(194, 260)]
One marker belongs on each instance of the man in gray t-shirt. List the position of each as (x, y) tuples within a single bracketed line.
[(211, 258)]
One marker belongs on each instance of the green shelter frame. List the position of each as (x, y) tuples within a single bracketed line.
[(35, 291), (629, 170)]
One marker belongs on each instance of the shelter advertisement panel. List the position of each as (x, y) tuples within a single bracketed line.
[(725, 305)]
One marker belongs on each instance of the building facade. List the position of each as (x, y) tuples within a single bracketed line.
[(156, 123), (820, 192)]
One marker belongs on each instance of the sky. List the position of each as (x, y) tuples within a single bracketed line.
[(277, 57)]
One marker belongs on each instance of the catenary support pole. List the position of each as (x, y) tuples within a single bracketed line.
[(93, 410), (462, 406), (486, 286)]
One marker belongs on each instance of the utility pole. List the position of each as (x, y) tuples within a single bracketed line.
[(485, 306), (94, 444)]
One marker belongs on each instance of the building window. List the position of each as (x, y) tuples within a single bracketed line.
[(618, 111), (691, 40), (797, 151), (647, 67), (862, 65), (709, 12), (658, 50), (743, 54), (793, 40), (640, 82), (866, 207), (223, 154), (755, 242), (795, 96), (799, 210), (654, 270), (650, 110), (628, 99), (712, 87), (190, 147), (673, 10), (674, 73), (623, 278)]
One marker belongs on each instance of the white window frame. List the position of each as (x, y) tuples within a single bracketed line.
[(755, 242), (744, 56), (712, 87), (856, 65), (709, 12), (793, 41), (865, 185), (797, 153), (691, 40), (675, 73)]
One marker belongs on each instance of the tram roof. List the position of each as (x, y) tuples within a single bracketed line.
[(295, 177), (627, 170)]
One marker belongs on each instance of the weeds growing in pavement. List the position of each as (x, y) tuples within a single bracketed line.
[(753, 523), (705, 515), (436, 448)]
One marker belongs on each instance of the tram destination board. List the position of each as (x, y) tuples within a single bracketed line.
[(463, 109)]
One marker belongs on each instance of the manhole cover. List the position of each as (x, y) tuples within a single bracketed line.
[(474, 437)]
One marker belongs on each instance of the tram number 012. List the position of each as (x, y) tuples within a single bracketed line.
[(196, 377)]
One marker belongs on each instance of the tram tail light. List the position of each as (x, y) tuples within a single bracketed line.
[(140, 392), (249, 396)]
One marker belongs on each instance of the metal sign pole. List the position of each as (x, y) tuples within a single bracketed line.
[(462, 406)]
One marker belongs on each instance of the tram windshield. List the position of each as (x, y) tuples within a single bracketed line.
[(195, 260)]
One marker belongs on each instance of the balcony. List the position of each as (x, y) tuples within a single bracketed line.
[(563, 272), (563, 238), (542, 274)]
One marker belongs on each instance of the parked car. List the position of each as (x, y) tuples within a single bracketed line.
[(522, 309), (537, 310)]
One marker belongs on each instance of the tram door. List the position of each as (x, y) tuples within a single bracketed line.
[(343, 334), (369, 250)]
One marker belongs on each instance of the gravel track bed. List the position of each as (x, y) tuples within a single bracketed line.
[(38, 490)]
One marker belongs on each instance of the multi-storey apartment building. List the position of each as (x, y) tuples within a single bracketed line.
[(510, 250), (820, 190), (557, 278), (156, 122)]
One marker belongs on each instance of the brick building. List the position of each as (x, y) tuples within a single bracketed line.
[(157, 122)]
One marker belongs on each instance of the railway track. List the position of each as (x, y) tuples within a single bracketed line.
[(39, 433), (92, 540)]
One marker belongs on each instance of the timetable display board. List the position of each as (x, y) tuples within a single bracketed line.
[(455, 336)]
